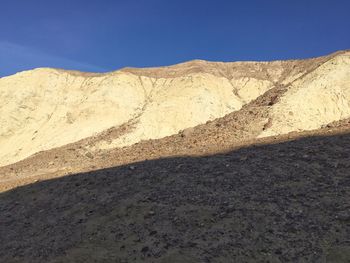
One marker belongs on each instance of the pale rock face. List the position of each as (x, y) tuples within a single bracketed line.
[(46, 108), (321, 97), (181, 103), (249, 89)]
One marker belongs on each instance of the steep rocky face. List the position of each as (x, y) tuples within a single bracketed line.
[(47, 108), (320, 97)]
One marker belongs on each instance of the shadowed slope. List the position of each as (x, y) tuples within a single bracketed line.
[(277, 203)]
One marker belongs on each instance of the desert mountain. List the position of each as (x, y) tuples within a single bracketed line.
[(196, 162), (67, 118)]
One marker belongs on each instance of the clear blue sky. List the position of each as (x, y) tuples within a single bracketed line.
[(104, 35)]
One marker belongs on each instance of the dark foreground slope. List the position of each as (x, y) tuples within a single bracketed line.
[(272, 203)]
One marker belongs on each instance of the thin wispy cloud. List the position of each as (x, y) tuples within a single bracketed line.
[(15, 58)]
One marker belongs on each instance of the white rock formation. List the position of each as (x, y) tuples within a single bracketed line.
[(321, 97), (45, 108)]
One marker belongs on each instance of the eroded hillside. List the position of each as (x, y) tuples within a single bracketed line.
[(70, 121), (46, 108)]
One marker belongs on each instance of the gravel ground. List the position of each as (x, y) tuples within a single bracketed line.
[(287, 202)]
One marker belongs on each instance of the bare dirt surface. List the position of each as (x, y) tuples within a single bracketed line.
[(285, 202)]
